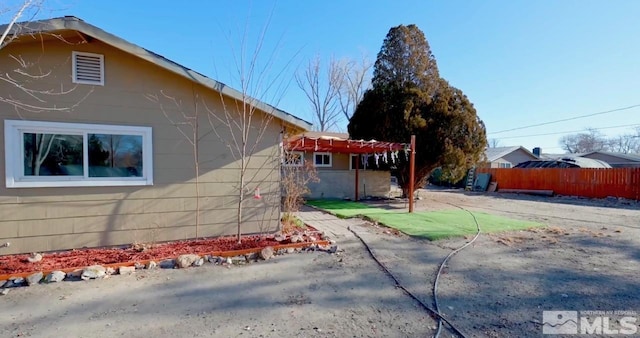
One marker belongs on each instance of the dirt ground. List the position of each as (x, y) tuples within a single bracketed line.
[(586, 258)]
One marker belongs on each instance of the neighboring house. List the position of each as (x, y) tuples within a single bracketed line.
[(566, 161), (507, 157), (616, 160), (343, 164), (110, 161)]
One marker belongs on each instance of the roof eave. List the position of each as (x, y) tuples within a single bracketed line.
[(73, 23)]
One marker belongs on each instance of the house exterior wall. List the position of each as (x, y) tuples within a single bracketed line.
[(614, 161), (338, 161), (136, 93), (341, 184), (514, 158), (338, 181)]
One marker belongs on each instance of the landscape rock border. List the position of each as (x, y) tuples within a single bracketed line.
[(228, 258)]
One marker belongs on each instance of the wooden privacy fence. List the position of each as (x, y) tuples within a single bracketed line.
[(594, 183)]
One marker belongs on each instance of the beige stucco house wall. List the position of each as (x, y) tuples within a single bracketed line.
[(144, 90)]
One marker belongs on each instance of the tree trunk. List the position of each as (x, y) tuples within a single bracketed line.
[(240, 200)]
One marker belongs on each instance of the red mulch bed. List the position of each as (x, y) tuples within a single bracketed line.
[(12, 264)]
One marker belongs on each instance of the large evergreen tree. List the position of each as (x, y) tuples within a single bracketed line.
[(409, 97)]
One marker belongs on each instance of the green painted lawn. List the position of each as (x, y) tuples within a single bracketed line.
[(430, 225)]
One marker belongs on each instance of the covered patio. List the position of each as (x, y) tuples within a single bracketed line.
[(321, 144)]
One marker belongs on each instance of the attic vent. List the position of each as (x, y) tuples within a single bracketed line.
[(88, 68)]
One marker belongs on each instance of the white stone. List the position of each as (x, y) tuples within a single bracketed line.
[(266, 253), (152, 265), (93, 272), (34, 257), (34, 278), (185, 261), (55, 277), (126, 270)]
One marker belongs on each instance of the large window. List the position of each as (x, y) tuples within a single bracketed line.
[(362, 164), (322, 159), (52, 154)]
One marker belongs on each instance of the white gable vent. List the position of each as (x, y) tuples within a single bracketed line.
[(88, 68)]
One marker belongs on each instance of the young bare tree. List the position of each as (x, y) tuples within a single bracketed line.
[(322, 88), (296, 176), (243, 124), (26, 8)]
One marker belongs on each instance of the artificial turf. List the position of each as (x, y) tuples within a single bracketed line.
[(431, 225)]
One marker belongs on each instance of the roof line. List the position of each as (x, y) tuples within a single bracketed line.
[(77, 24), (505, 151)]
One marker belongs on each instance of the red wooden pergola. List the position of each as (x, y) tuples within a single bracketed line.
[(337, 145)]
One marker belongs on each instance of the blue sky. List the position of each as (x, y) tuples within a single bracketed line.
[(520, 62)]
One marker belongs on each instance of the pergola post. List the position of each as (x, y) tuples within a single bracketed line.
[(357, 178), (412, 171)]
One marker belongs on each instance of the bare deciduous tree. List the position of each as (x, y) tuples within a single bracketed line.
[(25, 8), (323, 88), (242, 124), (296, 175), (590, 140), (188, 126), (494, 143), (356, 79), (26, 73), (626, 143)]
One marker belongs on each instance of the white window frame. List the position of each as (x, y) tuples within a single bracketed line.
[(14, 154), (74, 74), (358, 156), (504, 165), (284, 161), (323, 164)]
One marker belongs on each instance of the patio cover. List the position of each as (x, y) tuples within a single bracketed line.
[(339, 144)]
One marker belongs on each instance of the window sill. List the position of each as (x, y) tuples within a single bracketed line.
[(77, 183)]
